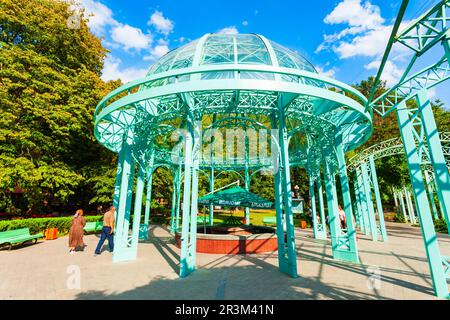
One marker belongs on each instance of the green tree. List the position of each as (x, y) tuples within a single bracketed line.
[(49, 86)]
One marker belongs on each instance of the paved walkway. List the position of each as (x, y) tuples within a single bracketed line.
[(47, 271)]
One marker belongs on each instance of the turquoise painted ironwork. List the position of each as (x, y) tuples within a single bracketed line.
[(227, 82), (322, 226), (426, 221), (410, 206), (318, 219), (362, 198), (381, 224), (418, 131)]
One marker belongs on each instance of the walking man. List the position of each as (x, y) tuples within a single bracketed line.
[(107, 230)]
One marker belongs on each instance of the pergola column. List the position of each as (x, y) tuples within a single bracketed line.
[(369, 203), (175, 195), (437, 159), (431, 194), (148, 195), (359, 213), (282, 250), (143, 234), (435, 260), (318, 229), (409, 205), (190, 196), (363, 201), (321, 207), (212, 172), (246, 177), (121, 237), (283, 198), (396, 201), (211, 189), (402, 204), (348, 241), (376, 191), (177, 208), (118, 182), (140, 184), (332, 206)]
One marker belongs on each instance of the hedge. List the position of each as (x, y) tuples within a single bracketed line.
[(37, 225), (440, 225)]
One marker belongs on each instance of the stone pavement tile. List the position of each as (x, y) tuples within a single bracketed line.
[(393, 270)]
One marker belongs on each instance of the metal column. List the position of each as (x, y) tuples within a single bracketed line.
[(426, 221)]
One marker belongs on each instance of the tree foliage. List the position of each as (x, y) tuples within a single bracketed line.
[(49, 86)]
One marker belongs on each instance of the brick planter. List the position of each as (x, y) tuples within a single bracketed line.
[(241, 243)]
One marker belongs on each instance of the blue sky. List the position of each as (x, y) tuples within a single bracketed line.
[(344, 39)]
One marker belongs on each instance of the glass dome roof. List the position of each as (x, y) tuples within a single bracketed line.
[(215, 49)]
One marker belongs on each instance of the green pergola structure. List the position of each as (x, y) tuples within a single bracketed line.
[(419, 135), (402, 196), (235, 85)]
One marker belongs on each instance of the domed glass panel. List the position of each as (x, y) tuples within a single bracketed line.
[(219, 49)]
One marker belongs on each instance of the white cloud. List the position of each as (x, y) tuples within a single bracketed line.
[(98, 14), (328, 73), (354, 13), (245, 23), (370, 44), (161, 24), (331, 38), (130, 37), (158, 51), (228, 30), (432, 93), (391, 73), (112, 71), (365, 35)]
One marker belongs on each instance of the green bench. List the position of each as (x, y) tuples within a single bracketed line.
[(93, 226), (201, 221), (22, 235), (270, 220)]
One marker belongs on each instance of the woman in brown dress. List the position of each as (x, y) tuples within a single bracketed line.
[(76, 231)]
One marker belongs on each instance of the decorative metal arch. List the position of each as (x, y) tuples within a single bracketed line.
[(419, 134)]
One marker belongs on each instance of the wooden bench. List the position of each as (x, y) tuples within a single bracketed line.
[(22, 235), (93, 226), (270, 220)]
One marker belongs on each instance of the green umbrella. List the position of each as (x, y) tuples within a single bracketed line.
[(235, 197)]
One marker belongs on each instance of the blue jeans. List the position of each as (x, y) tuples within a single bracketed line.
[(106, 234)]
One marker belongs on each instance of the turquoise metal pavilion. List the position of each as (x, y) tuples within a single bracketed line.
[(269, 99), (422, 143)]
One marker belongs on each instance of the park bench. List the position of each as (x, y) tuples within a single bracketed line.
[(22, 235), (201, 221), (270, 220), (93, 226)]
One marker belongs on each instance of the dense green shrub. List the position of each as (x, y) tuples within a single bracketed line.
[(440, 225), (399, 218), (40, 224)]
